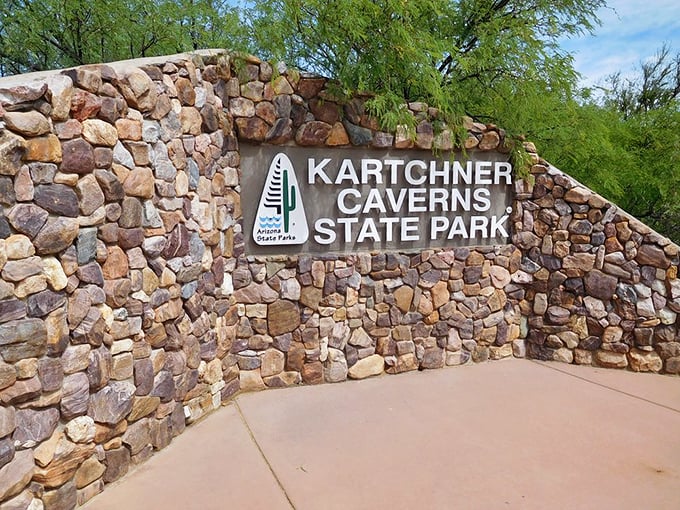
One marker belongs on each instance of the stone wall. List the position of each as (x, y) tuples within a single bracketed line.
[(128, 308), (601, 287)]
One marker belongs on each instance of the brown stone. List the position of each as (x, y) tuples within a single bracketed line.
[(138, 89), (63, 498), (31, 123), (116, 265), (310, 87), (78, 157), (609, 359), (600, 285), (266, 111), (337, 135), (367, 367), (129, 129), (98, 132), (312, 373), (272, 363), (642, 361), (45, 148), (313, 133), (88, 472), (256, 293), (143, 406), (21, 391), (252, 129), (12, 149), (403, 363), (57, 235), (117, 464), (8, 375), (67, 458), (190, 120), (650, 255), (403, 297), (282, 317), (90, 195), (140, 183), (185, 92)]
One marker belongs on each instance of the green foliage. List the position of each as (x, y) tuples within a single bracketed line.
[(46, 34), (449, 54), (622, 144)]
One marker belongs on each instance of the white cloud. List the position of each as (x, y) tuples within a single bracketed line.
[(631, 31)]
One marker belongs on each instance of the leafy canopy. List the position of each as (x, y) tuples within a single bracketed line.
[(450, 54), (37, 35)]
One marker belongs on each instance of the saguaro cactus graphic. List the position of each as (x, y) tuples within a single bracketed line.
[(289, 201)]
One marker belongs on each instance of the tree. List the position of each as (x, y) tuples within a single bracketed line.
[(623, 142), (46, 34), (449, 54)]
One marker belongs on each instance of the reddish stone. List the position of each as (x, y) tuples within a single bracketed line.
[(325, 111), (84, 105), (310, 87)]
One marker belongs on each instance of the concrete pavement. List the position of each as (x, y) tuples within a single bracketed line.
[(505, 434)]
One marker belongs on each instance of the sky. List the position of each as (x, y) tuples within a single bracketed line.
[(631, 31)]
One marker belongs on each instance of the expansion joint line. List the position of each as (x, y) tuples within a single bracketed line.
[(264, 457), (658, 404)]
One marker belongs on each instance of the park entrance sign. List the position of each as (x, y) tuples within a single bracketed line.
[(304, 200)]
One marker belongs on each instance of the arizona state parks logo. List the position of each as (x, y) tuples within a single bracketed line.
[(280, 217)]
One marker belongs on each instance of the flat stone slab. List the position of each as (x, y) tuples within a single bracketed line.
[(511, 433)]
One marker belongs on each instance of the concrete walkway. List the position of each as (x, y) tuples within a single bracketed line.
[(505, 434)]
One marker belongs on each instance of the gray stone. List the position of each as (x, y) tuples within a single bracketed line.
[(112, 403), (58, 199), (358, 135), (34, 426), (75, 396), (7, 451), (42, 303), (12, 309), (7, 421), (21, 339), (27, 218)]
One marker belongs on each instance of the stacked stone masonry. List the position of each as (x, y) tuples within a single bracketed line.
[(128, 308)]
